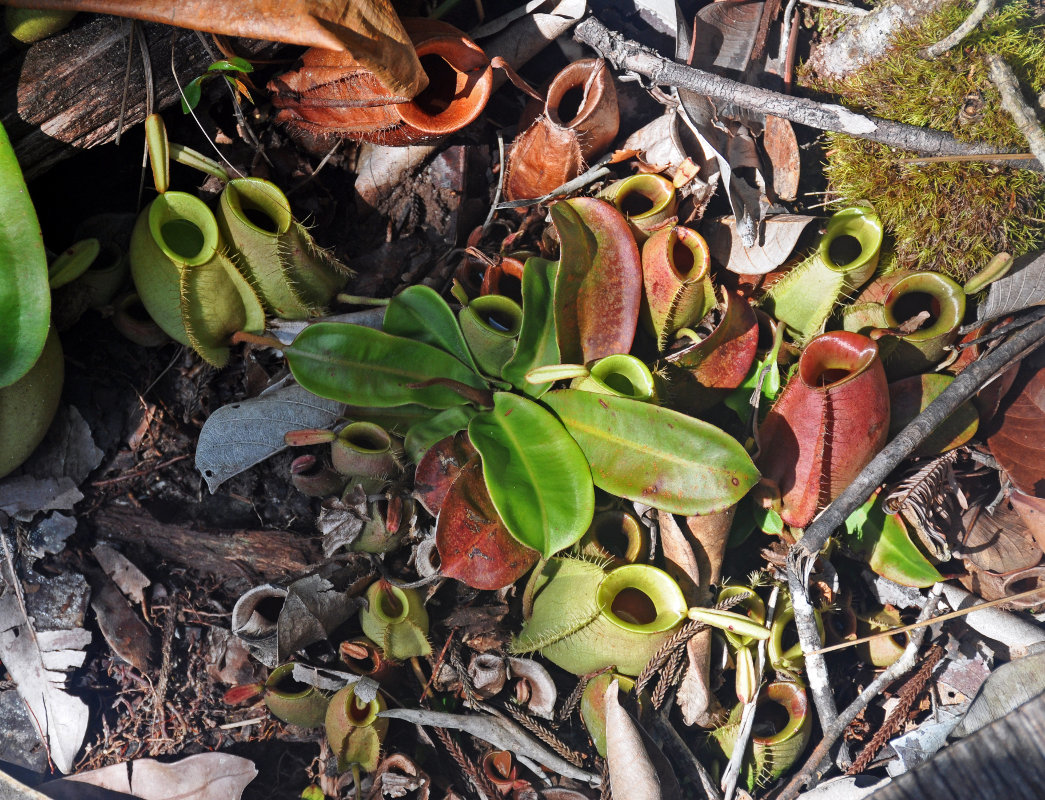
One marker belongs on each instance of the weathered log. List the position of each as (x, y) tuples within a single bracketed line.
[(63, 94), (235, 554), (1003, 761)]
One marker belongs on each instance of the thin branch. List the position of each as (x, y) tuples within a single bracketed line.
[(842, 9), (816, 765), (1012, 101), (633, 57), (959, 33)]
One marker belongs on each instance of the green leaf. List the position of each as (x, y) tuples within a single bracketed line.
[(537, 476), (25, 297), (193, 91), (424, 434), (364, 367), (739, 400), (882, 539), (231, 65), (537, 346), (655, 455), (419, 313)]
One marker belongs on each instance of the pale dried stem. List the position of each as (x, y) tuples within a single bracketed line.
[(630, 56), (959, 33), (1012, 101), (815, 765)]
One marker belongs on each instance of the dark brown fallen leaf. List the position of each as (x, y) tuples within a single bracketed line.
[(1016, 436), (123, 629)]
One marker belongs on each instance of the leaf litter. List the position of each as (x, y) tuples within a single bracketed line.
[(174, 702)]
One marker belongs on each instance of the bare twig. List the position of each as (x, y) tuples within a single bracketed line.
[(499, 732), (816, 764), (633, 57), (959, 33), (1012, 101), (839, 7)]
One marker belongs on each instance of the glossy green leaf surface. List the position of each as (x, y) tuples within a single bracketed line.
[(598, 286), (537, 476), (882, 539), (419, 313), (537, 346), (364, 367), (424, 434), (654, 455), (25, 297)]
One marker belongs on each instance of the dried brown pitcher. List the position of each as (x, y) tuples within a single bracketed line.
[(332, 93), (578, 121)]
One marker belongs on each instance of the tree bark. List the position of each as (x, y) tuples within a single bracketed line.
[(63, 94), (238, 554)]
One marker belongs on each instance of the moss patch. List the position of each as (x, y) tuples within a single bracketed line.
[(949, 217)]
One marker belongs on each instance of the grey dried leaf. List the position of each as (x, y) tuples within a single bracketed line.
[(776, 241), (22, 496), (1022, 287), (314, 606), (206, 776), (342, 520), (37, 659), (121, 626), (124, 573), (632, 774), (238, 436), (50, 533), (499, 732), (68, 450), (1009, 686)]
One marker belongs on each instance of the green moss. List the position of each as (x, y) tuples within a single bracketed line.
[(951, 217)]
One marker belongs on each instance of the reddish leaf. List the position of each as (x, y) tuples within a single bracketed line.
[(598, 287), (474, 546), (439, 469), (1017, 435)]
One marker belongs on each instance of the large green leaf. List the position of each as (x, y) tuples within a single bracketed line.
[(654, 455), (25, 298), (364, 367), (537, 476), (419, 313), (537, 346), (882, 539)]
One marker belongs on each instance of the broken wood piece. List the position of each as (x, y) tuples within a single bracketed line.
[(242, 554), (64, 93)]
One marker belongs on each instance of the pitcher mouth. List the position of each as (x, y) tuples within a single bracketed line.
[(460, 81), (641, 598), (835, 358)]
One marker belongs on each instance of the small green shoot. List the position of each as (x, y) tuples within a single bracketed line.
[(227, 69)]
